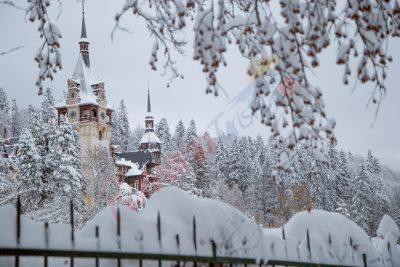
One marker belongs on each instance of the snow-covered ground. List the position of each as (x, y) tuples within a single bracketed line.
[(333, 238)]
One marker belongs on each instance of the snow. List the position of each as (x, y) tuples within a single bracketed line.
[(333, 237), (388, 229), (150, 138), (134, 169)]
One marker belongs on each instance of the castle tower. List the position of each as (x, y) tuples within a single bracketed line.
[(85, 103), (149, 140)]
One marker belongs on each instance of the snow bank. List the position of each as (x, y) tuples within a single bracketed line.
[(332, 237)]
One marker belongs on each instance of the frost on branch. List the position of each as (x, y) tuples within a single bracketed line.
[(48, 55), (295, 34)]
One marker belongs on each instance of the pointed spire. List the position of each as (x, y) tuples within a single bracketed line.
[(83, 30), (148, 98), (84, 43)]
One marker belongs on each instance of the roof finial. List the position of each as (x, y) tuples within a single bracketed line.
[(148, 98), (83, 31)]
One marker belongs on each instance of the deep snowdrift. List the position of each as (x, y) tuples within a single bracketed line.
[(332, 237)]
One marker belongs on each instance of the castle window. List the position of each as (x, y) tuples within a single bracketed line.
[(100, 135)]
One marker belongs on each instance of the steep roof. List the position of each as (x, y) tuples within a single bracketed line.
[(83, 75), (150, 137), (139, 157)]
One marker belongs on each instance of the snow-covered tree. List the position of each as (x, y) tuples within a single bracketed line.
[(4, 113), (47, 107), (100, 175), (361, 204), (179, 135), (68, 174), (8, 186), (130, 197), (191, 134), (134, 138), (162, 131), (120, 132), (176, 170), (30, 165), (372, 163), (16, 123)]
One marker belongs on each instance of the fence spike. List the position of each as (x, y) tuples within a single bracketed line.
[(118, 234), (283, 233), (46, 241), (329, 239), (214, 253), (97, 244), (159, 227), (71, 210), (18, 230), (18, 233), (308, 243), (46, 233), (194, 234), (364, 259), (178, 246)]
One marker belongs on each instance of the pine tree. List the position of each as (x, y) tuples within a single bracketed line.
[(179, 135), (31, 170), (120, 131), (372, 164), (361, 203), (8, 186), (4, 104), (162, 131), (191, 134), (134, 138), (15, 120), (4, 112), (68, 178), (123, 125), (47, 108)]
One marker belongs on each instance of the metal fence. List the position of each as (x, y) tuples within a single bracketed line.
[(141, 258)]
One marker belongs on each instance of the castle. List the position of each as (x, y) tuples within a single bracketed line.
[(85, 105)]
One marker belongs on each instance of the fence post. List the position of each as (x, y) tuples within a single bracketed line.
[(364, 259), (46, 240), (159, 235), (329, 239), (18, 230), (390, 253), (194, 239), (97, 244), (352, 249), (179, 250), (283, 233), (71, 210), (118, 234), (308, 244), (214, 253)]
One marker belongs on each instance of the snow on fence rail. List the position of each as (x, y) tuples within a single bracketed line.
[(175, 236)]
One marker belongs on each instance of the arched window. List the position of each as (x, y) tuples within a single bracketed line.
[(100, 135)]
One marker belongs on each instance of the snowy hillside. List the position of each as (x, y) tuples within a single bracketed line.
[(332, 237)]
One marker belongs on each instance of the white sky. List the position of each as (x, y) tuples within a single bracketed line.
[(123, 65)]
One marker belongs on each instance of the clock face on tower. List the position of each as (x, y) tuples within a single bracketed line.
[(72, 114)]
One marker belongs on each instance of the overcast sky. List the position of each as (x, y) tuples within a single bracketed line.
[(123, 65)]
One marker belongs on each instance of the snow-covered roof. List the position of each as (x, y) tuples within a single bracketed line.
[(150, 138), (140, 157), (134, 171), (134, 168), (85, 78), (83, 75)]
